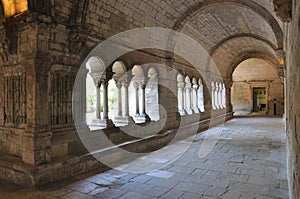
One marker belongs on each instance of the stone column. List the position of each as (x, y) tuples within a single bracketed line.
[(119, 87), (143, 87), (180, 94), (223, 96), (228, 97), (195, 98), (220, 96), (144, 114), (184, 100), (201, 97), (217, 96), (213, 90), (188, 98), (137, 103), (98, 101), (126, 101), (106, 122), (105, 99), (37, 134)]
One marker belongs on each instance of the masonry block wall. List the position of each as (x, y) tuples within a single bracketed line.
[(293, 104), (41, 51)]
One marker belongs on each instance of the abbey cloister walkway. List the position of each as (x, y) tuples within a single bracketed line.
[(248, 161)]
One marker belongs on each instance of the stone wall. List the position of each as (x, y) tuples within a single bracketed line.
[(256, 73), (293, 103), (242, 98), (42, 50), (41, 53)]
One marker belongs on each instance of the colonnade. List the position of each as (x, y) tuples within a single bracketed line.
[(190, 95), (218, 95)]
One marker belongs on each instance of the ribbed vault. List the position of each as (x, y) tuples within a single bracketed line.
[(225, 28)]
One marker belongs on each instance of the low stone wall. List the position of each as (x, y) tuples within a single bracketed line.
[(14, 170)]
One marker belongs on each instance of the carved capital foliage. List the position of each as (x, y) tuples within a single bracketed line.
[(283, 9), (77, 40)]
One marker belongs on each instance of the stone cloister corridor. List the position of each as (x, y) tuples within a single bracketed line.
[(150, 99), (249, 161)]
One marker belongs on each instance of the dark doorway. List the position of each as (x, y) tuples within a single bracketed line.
[(259, 99)]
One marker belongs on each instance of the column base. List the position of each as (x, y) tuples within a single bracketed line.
[(104, 123), (121, 120), (141, 118), (189, 111), (182, 112), (196, 110), (147, 118)]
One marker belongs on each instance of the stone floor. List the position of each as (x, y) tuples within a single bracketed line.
[(248, 161)]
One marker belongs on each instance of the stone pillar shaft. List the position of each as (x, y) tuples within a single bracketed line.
[(126, 101), (119, 87), (98, 102), (137, 103), (143, 99), (105, 100)]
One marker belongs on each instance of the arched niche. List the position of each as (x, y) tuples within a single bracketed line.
[(96, 69)]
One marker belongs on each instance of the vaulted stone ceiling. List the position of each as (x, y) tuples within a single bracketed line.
[(229, 30)]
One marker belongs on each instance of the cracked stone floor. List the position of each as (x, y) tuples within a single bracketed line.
[(248, 161)]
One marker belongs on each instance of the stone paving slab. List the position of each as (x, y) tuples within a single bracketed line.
[(247, 162)]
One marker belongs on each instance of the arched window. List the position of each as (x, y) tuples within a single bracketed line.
[(152, 108), (137, 88), (97, 72), (119, 102), (93, 85), (200, 96)]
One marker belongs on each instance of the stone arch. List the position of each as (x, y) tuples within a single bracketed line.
[(269, 18), (119, 70), (152, 73), (95, 65), (137, 71), (240, 35), (255, 83), (255, 54)]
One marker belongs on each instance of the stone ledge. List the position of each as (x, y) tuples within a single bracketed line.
[(14, 170)]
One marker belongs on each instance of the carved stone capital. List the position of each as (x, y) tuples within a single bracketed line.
[(283, 9), (77, 40)]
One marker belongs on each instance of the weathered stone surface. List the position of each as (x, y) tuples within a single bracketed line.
[(42, 49)]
